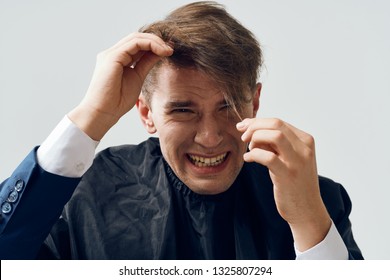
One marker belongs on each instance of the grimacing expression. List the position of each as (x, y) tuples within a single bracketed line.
[(196, 128)]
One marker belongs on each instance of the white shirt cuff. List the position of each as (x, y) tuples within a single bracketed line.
[(68, 151), (331, 248)]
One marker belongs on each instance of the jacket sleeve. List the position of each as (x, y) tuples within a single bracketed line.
[(339, 206), (31, 203), (344, 226)]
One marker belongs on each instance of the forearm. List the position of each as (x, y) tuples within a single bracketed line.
[(93, 123), (310, 231)]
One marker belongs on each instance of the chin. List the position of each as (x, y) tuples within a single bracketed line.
[(209, 188)]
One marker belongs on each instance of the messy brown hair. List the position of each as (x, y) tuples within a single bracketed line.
[(207, 38)]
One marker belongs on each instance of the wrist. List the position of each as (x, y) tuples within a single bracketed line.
[(311, 232), (67, 151), (92, 122)]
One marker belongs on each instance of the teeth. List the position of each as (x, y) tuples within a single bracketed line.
[(204, 161)]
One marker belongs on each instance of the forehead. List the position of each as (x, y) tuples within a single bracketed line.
[(184, 83)]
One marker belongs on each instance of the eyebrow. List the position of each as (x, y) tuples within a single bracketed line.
[(178, 104), (181, 104)]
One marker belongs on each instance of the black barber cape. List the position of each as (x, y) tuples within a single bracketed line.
[(130, 205)]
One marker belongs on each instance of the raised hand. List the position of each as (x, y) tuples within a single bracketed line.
[(117, 82), (289, 154)]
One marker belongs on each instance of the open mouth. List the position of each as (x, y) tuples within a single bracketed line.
[(207, 161)]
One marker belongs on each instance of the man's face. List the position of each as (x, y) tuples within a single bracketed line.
[(197, 130)]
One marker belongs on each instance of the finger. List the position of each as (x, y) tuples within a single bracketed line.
[(252, 125), (142, 44), (288, 131), (136, 58), (243, 125), (272, 140), (303, 136), (136, 36), (266, 158), (133, 49)]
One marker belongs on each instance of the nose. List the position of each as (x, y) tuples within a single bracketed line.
[(208, 132)]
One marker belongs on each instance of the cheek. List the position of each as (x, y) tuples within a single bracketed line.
[(174, 132), (175, 139), (236, 139)]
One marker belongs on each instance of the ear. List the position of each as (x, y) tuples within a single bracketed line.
[(145, 114), (256, 99)]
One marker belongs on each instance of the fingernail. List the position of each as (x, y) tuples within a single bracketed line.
[(240, 125), (243, 136), (246, 157), (168, 47)]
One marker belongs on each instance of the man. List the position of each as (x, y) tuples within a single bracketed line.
[(218, 183)]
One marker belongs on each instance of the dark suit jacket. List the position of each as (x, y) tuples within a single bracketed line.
[(130, 205)]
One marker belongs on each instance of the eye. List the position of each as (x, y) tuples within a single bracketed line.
[(226, 106), (182, 114), (182, 110)]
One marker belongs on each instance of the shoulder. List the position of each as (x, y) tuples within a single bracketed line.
[(120, 173), (335, 197), (119, 166), (332, 189), (130, 153)]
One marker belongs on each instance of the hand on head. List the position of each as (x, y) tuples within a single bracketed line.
[(117, 81)]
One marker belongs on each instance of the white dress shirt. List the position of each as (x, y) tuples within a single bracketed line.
[(69, 152)]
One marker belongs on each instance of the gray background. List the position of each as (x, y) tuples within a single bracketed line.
[(327, 72)]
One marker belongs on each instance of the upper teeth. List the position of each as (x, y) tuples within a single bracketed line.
[(206, 161)]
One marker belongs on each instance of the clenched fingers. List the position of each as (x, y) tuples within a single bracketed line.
[(130, 49), (286, 142)]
